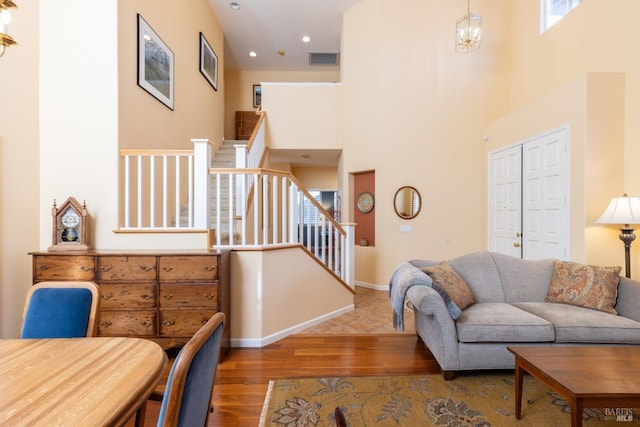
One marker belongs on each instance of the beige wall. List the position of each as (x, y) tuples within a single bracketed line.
[(144, 122), (317, 178), (414, 111), (239, 88), (19, 158), (263, 301)]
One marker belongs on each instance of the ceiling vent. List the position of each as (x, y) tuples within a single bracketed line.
[(323, 58)]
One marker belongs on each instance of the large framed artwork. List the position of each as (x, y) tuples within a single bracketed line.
[(208, 62), (155, 64)]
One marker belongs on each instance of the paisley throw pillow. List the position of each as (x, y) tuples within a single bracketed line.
[(584, 285)]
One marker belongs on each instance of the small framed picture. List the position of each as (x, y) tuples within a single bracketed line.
[(155, 64), (257, 96), (208, 62)]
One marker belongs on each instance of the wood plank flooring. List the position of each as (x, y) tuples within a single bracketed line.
[(242, 378)]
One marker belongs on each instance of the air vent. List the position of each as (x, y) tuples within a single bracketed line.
[(323, 58)]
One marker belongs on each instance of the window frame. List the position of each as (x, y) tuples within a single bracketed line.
[(547, 19)]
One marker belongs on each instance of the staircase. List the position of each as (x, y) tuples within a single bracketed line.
[(224, 158)]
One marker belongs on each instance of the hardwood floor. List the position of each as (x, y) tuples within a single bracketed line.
[(242, 378)]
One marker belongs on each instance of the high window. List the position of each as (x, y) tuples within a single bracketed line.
[(551, 11)]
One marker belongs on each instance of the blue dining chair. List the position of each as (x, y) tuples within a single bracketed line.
[(186, 400), (61, 310)]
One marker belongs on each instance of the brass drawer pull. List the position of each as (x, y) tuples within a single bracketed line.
[(145, 323), (145, 268), (168, 296), (44, 268), (107, 296), (83, 268), (105, 324), (207, 296), (168, 269), (106, 268), (146, 297), (212, 268), (168, 323)]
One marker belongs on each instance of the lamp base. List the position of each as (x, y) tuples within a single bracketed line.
[(627, 236)]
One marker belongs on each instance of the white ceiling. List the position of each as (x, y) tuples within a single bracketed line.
[(268, 26)]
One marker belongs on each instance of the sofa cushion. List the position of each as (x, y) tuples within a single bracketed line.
[(481, 274), (501, 322), (584, 285), (523, 280), (575, 324), (447, 280)]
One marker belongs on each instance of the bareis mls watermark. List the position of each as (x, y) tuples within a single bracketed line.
[(618, 414)]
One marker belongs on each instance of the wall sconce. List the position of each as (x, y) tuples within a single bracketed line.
[(5, 19), (623, 210), (468, 31)]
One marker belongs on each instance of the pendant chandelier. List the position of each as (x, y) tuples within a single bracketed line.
[(468, 31), (5, 18)]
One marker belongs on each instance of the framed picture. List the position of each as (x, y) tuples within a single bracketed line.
[(155, 64), (208, 62), (257, 96)]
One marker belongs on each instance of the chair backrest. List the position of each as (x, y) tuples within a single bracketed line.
[(341, 421), (187, 396), (61, 310)]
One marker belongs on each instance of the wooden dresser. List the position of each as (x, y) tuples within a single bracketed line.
[(164, 296)]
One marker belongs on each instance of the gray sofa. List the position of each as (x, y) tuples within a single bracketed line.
[(509, 309)]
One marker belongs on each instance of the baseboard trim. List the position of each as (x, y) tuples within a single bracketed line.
[(372, 286), (262, 342)]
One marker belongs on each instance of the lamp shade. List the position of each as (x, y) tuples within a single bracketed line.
[(621, 210)]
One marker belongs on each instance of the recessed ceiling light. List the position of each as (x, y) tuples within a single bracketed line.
[(233, 5), (253, 54), (306, 39)]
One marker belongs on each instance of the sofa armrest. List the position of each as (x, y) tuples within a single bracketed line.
[(430, 303), (628, 297)]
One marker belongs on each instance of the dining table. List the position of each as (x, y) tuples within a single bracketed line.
[(101, 381)]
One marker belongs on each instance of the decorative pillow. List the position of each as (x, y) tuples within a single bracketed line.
[(447, 281), (584, 285)]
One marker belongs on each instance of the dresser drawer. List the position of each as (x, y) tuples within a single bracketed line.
[(56, 267), (126, 268), (188, 268), (120, 323), (186, 296), (183, 323), (128, 295)]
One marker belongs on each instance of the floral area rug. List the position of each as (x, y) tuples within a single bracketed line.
[(480, 400)]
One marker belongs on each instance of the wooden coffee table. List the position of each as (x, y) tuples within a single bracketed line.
[(586, 377)]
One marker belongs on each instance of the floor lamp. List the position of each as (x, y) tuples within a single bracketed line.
[(623, 210)]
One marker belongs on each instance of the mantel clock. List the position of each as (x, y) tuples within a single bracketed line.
[(69, 226)]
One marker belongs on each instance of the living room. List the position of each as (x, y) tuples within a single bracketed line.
[(404, 90)]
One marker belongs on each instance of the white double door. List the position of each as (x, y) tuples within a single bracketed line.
[(528, 198)]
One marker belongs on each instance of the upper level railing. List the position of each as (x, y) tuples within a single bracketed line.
[(173, 190)]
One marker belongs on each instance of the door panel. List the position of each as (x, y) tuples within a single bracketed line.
[(545, 211), (504, 201)]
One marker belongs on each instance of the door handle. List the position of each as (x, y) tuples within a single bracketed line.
[(516, 245)]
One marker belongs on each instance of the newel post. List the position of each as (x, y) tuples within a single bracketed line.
[(349, 250), (201, 200)]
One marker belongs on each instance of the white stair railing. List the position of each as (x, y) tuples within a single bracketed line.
[(171, 190), (156, 187)]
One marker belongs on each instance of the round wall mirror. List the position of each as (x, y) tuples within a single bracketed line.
[(407, 202)]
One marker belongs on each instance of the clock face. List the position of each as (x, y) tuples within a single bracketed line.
[(70, 218)]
